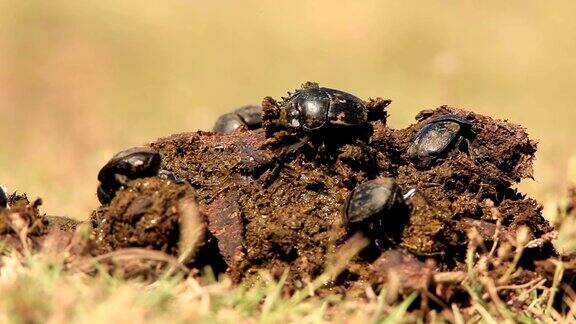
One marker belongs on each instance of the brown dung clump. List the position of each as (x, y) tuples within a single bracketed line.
[(22, 225), (146, 214), (271, 203)]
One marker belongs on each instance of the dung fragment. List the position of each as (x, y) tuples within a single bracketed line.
[(147, 213)]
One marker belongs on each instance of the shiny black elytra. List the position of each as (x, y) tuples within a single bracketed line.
[(371, 199), (378, 208), (316, 108), (438, 138), (3, 198), (248, 117), (133, 163)]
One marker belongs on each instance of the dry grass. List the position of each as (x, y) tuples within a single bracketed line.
[(55, 286)]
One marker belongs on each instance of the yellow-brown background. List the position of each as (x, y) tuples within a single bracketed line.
[(80, 80)]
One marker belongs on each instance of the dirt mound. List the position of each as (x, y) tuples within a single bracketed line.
[(324, 188), (275, 198), (272, 208)]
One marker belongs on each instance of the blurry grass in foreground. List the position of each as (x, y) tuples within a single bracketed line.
[(42, 288), (53, 286)]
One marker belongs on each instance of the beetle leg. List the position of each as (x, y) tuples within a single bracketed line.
[(363, 144), (374, 154), (463, 144), (387, 240), (469, 149), (295, 147), (323, 153), (280, 159)]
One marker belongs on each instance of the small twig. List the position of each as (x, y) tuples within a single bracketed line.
[(458, 318), (558, 274), (496, 239), (526, 293), (132, 254), (449, 277), (436, 299), (521, 240), (522, 286), (484, 313), (493, 293)]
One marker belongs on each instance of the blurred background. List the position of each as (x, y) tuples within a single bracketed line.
[(81, 80)]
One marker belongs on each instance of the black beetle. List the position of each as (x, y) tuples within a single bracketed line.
[(133, 163), (249, 117), (372, 198), (3, 197), (378, 208), (316, 108), (105, 195), (437, 138)]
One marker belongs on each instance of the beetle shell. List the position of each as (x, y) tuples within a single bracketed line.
[(227, 123), (346, 109), (3, 197), (105, 196), (309, 109), (136, 162), (437, 138), (133, 163), (371, 198), (314, 108), (249, 117)]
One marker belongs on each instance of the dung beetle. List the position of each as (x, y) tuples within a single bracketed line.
[(371, 198), (3, 197), (133, 163), (438, 138), (249, 117), (377, 207), (316, 108)]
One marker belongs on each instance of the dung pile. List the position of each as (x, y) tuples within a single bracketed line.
[(278, 197), (22, 225)]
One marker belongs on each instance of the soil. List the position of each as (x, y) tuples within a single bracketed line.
[(269, 203)]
